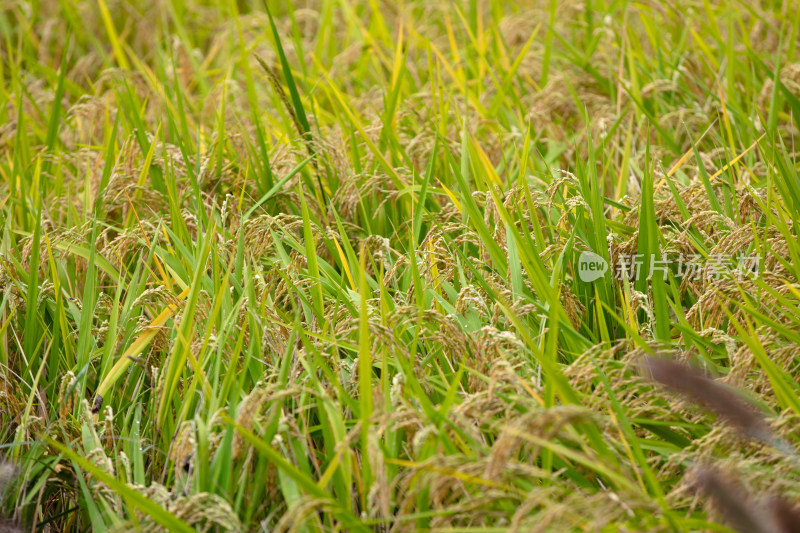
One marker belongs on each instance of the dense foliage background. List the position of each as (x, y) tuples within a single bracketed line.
[(318, 270)]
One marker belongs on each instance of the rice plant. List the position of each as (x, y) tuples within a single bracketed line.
[(350, 265)]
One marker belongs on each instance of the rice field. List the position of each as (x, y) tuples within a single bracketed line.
[(359, 265)]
